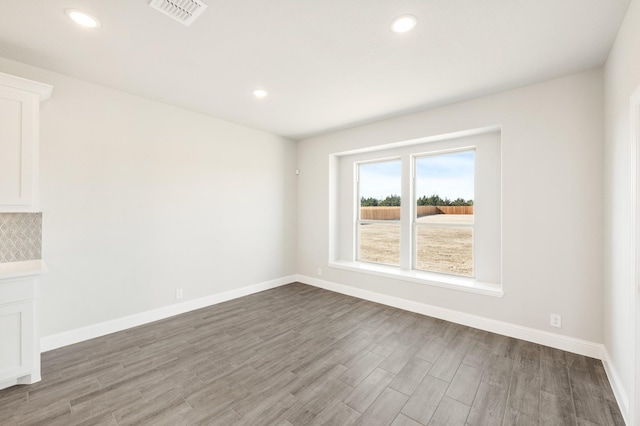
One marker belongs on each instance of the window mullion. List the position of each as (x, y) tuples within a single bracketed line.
[(406, 235)]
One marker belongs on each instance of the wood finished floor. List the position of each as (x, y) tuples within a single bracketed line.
[(298, 355)]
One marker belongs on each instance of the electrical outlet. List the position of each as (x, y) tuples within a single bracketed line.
[(555, 320), (179, 293), (319, 272)]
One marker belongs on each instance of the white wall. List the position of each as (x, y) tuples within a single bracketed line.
[(621, 79), (552, 203), (140, 198)]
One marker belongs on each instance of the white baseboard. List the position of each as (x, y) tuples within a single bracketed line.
[(29, 379), (553, 340), (570, 344), (582, 347), (70, 337), (616, 385)]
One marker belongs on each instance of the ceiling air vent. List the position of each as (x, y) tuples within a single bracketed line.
[(183, 11)]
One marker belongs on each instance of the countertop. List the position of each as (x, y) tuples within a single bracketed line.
[(22, 269)]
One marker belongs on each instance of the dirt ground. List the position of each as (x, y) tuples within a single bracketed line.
[(439, 248)]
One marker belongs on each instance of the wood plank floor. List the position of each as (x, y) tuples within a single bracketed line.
[(298, 355)]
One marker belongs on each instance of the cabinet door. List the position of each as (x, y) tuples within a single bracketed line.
[(18, 145), (16, 340)]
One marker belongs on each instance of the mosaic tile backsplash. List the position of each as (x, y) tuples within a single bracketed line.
[(20, 236)]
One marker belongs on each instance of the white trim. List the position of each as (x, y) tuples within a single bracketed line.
[(28, 379), (41, 89), (344, 230), (452, 282), (570, 344), (77, 335), (434, 138), (616, 385), (633, 409)]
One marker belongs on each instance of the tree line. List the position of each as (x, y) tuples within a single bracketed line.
[(433, 200)]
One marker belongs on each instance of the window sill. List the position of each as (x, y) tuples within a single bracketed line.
[(429, 278)]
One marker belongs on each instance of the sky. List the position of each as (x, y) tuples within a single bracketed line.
[(448, 175)]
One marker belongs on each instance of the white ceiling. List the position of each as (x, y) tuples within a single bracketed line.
[(327, 64)]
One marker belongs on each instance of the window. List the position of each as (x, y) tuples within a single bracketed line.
[(426, 211), (378, 226), (443, 219)]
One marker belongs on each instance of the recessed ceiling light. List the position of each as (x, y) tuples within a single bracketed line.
[(259, 93), (82, 18), (403, 24)]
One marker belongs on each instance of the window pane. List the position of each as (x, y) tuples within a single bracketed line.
[(445, 184), (379, 189), (445, 249), (444, 196), (379, 186), (380, 243)]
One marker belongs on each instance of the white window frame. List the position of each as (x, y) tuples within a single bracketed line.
[(360, 221), (414, 216), (344, 208)]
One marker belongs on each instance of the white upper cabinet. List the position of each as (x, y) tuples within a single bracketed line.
[(19, 141)]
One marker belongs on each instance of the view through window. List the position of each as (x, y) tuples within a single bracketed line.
[(379, 186), (443, 219)]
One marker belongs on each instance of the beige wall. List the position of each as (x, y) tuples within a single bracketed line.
[(621, 79), (140, 198), (551, 154)]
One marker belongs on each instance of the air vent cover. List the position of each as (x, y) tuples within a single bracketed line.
[(183, 11)]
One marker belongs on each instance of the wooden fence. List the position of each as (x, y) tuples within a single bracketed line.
[(393, 213), (452, 210), (427, 210)]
